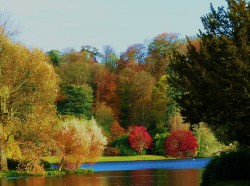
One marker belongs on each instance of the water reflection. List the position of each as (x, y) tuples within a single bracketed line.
[(191, 177)]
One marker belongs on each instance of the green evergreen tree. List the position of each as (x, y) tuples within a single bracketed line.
[(77, 101), (214, 79)]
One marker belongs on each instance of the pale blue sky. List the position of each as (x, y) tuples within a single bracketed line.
[(59, 24)]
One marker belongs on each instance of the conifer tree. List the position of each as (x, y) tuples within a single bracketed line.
[(214, 80)]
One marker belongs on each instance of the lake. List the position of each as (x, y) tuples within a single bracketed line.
[(145, 173), (152, 177)]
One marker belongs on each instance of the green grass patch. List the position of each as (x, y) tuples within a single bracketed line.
[(13, 173), (131, 158), (53, 159)]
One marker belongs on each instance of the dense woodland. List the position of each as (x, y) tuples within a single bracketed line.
[(151, 87)]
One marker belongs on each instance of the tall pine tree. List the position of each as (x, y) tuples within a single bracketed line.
[(214, 80)]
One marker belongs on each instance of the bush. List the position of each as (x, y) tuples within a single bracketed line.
[(159, 142), (123, 145), (181, 144), (79, 140), (46, 165), (208, 144), (111, 151), (158, 130), (12, 164), (139, 139), (228, 166), (116, 130)]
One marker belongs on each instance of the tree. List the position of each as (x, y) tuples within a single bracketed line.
[(28, 88), (109, 58), (135, 91), (76, 101), (55, 57), (124, 91), (116, 130), (181, 144), (104, 116), (136, 53), (104, 86), (79, 141), (160, 51), (214, 80), (141, 89), (76, 73), (139, 139), (208, 144), (91, 52)]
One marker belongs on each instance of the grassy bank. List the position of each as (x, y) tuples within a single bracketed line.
[(53, 159), (15, 173), (131, 158)]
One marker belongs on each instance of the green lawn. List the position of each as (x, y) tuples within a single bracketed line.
[(53, 159), (131, 158)]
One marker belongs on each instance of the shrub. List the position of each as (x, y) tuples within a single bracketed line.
[(181, 144), (46, 165), (116, 130), (111, 151), (208, 144), (159, 142), (139, 139), (12, 164), (228, 166), (123, 145), (79, 140)]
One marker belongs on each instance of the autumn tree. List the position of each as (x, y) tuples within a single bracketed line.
[(91, 52), (214, 79), (104, 85), (109, 58), (181, 144), (136, 53), (124, 91), (104, 116), (141, 89), (116, 130), (139, 139), (75, 73), (28, 88), (70, 55), (79, 141), (160, 51)]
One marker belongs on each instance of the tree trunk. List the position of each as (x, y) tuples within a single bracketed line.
[(3, 155), (4, 94), (61, 164)]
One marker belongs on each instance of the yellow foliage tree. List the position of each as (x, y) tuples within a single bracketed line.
[(28, 88)]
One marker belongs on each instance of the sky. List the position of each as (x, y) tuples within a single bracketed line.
[(61, 24)]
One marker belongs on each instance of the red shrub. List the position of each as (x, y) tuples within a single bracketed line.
[(139, 139), (181, 144)]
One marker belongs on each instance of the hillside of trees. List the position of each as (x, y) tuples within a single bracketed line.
[(75, 104)]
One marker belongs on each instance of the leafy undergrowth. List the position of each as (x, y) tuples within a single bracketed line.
[(233, 183), (50, 172)]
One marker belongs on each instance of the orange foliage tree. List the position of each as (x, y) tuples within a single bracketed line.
[(79, 141)]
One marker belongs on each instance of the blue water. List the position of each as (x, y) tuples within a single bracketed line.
[(143, 165)]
